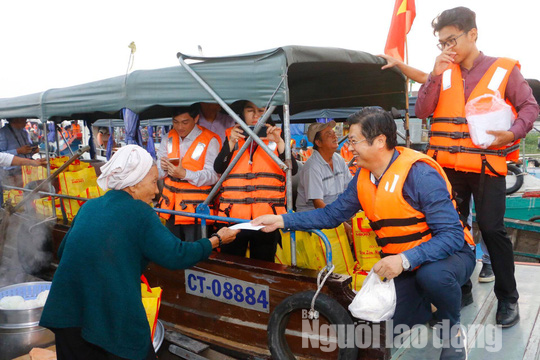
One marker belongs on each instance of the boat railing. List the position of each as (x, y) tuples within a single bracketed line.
[(203, 213)]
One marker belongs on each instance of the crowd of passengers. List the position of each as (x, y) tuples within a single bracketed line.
[(199, 148)]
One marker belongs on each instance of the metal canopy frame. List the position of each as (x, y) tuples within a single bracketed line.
[(297, 78)]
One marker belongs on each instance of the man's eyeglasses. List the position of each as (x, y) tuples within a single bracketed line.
[(355, 142), (449, 42)]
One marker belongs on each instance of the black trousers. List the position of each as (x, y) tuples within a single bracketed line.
[(188, 233), (490, 208), (262, 246), (70, 345)]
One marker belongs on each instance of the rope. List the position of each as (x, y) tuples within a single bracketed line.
[(313, 314)]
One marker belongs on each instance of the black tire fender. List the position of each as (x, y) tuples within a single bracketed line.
[(325, 305), (519, 179), (535, 218)]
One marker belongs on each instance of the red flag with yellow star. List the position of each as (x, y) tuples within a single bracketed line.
[(404, 14)]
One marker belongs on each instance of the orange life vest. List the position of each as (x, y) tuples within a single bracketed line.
[(179, 194), (398, 226), (76, 130), (346, 153), (347, 156), (450, 142), (305, 154), (253, 188)]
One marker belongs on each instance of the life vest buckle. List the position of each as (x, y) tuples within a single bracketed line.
[(458, 135), (251, 176), (454, 149), (250, 200), (251, 188)]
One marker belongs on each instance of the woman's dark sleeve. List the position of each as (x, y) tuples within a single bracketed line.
[(293, 160), (223, 159)]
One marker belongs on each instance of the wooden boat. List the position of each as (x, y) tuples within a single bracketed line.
[(249, 322), (228, 301)]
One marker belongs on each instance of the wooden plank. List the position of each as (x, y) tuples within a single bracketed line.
[(184, 354), (187, 343)]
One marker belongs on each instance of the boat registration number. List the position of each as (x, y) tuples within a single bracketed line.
[(228, 290)]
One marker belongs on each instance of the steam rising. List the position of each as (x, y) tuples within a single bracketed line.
[(27, 248)]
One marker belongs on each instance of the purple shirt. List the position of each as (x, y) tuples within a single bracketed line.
[(219, 125), (517, 91)]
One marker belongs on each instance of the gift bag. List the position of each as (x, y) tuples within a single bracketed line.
[(33, 173), (151, 300), (75, 183), (311, 252), (366, 249), (43, 207), (487, 112), (376, 300), (358, 277), (283, 253)]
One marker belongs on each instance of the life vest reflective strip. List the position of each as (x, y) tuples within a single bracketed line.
[(179, 194), (253, 187), (398, 226), (450, 142)]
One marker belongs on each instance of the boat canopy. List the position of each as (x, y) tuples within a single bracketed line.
[(305, 78)]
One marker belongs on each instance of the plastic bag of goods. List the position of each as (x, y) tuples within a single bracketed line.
[(376, 300), (487, 112)]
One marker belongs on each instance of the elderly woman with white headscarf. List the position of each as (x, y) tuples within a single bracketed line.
[(94, 305)]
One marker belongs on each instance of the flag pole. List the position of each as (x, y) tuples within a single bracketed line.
[(407, 132)]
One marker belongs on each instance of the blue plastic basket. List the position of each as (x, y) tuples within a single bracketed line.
[(29, 290)]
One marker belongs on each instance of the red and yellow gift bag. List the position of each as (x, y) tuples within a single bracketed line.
[(151, 300)]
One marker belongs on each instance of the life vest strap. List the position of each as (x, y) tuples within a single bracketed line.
[(166, 199), (176, 190), (250, 188), (184, 203), (382, 242), (178, 180), (451, 135), (253, 200), (463, 149), (379, 224), (251, 176), (449, 120)]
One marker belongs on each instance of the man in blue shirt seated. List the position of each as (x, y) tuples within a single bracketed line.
[(406, 197)]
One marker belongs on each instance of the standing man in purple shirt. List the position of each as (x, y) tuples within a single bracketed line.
[(461, 73), (211, 118)]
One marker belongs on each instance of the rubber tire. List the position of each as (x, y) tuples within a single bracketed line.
[(325, 305), (535, 218), (519, 179)]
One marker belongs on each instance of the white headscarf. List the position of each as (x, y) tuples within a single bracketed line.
[(127, 167)]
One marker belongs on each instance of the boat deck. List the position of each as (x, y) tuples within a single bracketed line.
[(521, 341)]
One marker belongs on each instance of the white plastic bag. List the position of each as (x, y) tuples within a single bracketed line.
[(376, 300), (487, 112)]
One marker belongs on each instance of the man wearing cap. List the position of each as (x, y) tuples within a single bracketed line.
[(325, 175)]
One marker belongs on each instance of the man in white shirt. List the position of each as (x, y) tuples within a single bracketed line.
[(186, 162), (325, 174)]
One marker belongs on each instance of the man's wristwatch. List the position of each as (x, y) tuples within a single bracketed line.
[(405, 262), (219, 239)]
